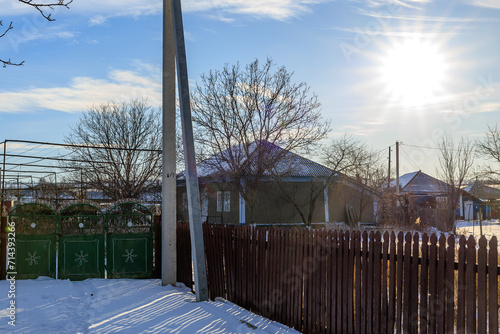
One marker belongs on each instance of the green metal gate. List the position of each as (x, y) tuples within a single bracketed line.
[(35, 227), (129, 241), (81, 245)]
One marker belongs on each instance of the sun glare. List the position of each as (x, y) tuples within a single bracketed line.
[(413, 72)]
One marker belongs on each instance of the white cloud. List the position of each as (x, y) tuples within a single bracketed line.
[(274, 9), (81, 92), (495, 4), (100, 10), (97, 20)]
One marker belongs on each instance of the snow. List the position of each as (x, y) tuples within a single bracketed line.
[(46, 305), (490, 228)]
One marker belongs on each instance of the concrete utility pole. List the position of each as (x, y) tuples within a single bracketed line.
[(397, 168), (193, 190), (389, 172), (168, 199)]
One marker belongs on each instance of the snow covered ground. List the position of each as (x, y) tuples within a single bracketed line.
[(46, 305), (490, 228)]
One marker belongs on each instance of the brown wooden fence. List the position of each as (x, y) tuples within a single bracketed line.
[(320, 281)]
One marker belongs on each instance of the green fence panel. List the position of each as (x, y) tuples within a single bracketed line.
[(82, 242), (129, 241), (35, 243), (81, 257), (129, 256), (35, 256)]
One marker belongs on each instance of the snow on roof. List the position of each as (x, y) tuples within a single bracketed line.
[(289, 164), (420, 183), (482, 191)]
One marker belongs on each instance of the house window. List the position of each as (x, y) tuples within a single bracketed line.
[(227, 201), (223, 201), (219, 201)]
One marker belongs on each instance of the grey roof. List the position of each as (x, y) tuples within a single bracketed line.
[(483, 192), (289, 164), (421, 183)]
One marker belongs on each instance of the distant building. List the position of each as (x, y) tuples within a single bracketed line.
[(279, 201), (430, 198), (490, 201)]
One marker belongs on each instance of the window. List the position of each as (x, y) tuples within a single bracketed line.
[(227, 201), (223, 201), (219, 201)]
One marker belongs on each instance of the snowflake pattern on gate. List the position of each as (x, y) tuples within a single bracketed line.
[(32, 258), (129, 256), (81, 257)]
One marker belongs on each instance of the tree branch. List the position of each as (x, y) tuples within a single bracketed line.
[(40, 6)]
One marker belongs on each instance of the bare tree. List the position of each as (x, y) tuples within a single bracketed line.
[(120, 146), (43, 8), (455, 165), (489, 148), (355, 159), (350, 161), (239, 111)]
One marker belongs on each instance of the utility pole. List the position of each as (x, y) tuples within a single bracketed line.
[(397, 168), (168, 199), (193, 190), (389, 171)]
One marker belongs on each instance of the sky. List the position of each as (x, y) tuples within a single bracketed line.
[(384, 71)]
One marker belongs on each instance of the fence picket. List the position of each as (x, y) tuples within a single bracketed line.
[(431, 312), (357, 289), (392, 285), (350, 284), (441, 287), (450, 285), (301, 237), (399, 282), (471, 286), (340, 293), (384, 277), (493, 285), (345, 283), (407, 284), (414, 284), (424, 283), (377, 280), (461, 279), (482, 283), (364, 288)]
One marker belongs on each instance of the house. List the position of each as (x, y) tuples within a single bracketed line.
[(429, 199), (489, 205), (293, 190)]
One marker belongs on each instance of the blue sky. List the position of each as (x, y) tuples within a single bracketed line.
[(404, 70)]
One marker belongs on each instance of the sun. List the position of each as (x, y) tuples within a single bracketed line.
[(413, 71)]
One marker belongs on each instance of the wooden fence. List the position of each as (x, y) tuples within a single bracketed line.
[(323, 281)]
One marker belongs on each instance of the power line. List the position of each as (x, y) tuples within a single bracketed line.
[(410, 159), (85, 146)]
